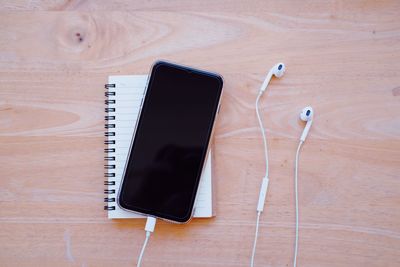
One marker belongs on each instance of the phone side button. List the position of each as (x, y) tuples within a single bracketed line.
[(219, 107)]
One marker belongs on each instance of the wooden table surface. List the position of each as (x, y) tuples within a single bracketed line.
[(342, 57)]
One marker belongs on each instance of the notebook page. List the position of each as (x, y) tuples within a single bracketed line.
[(129, 91)]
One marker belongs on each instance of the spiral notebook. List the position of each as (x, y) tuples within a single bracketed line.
[(124, 95)]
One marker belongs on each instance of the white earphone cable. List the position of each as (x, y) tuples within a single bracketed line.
[(266, 174), (260, 122), (296, 191), (255, 239), (277, 70)]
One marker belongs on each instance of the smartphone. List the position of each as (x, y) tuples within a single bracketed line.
[(170, 142)]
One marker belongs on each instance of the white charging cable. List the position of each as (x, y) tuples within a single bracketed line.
[(149, 228)]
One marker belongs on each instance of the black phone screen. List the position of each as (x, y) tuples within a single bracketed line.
[(170, 142)]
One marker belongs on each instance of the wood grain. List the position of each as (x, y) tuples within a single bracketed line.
[(343, 58)]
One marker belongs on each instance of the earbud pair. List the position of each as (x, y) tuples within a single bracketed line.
[(306, 114)]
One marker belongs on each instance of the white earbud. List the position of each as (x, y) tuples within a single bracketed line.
[(278, 70), (306, 115)]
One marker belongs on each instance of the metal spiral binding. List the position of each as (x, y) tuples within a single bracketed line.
[(109, 157)]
